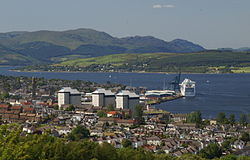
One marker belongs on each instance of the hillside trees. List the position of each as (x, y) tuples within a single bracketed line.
[(80, 132), (211, 151), (221, 118), (14, 145), (243, 119), (194, 117)]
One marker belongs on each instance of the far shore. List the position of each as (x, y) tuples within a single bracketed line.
[(117, 72)]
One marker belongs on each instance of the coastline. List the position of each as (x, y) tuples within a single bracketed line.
[(140, 72)]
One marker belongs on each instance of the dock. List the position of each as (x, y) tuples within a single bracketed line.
[(163, 99)]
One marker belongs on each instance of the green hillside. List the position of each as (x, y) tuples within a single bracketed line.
[(8, 56), (70, 39), (46, 46), (203, 62), (91, 50), (117, 59)]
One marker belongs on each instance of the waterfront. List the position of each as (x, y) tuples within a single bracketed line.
[(229, 93)]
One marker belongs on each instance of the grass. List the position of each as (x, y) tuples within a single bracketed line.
[(67, 58), (241, 70), (116, 59), (203, 62), (155, 111)]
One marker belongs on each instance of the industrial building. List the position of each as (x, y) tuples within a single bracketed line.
[(68, 95), (127, 100), (103, 98), (123, 100)]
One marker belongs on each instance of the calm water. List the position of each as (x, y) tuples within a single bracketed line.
[(229, 93)]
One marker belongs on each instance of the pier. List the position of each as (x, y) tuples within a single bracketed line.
[(163, 99)]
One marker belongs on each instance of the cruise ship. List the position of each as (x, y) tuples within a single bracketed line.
[(187, 88)]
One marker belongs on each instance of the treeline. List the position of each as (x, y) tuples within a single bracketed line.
[(244, 119), (221, 118), (15, 145)]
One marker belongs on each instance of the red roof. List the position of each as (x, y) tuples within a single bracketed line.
[(149, 147), (16, 108), (4, 106), (26, 103), (9, 112), (28, 109), (125, 121), (112, 112)]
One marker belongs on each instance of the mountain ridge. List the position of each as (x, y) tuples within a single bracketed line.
[(44, 45)]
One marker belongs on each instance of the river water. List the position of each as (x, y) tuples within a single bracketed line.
[(229, 93)]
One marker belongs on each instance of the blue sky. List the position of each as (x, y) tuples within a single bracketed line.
[(211, 23)]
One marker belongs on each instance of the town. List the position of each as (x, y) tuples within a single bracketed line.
[(116, 114)]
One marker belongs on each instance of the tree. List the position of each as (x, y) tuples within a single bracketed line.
[(101, 113), (243, 119), (229, 157), (126, 143), (248, 117), (127, 116), (111, 107), (80, 132), (105, 152), (163, 157), (245, 137), (70, 108), (56, 107), (221, 118), (231, 119), (211, 151), (194, 117), (243, 158), (190, 157), (225, 145), (4, 96)]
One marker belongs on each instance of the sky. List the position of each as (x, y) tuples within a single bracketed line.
[(210, 23)]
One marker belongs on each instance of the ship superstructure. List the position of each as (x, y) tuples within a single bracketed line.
[(187, 88)]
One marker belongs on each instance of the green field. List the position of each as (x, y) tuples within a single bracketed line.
[(241, 70), (116, 59), (203, 62)]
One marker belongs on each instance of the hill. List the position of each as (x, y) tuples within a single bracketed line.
[(202, 62), (50, 45), (8, 56)]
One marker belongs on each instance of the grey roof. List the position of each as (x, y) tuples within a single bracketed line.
[(104, 91), (128, 93), (70, 90)]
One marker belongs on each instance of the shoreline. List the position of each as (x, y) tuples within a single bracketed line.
[(141, 72)]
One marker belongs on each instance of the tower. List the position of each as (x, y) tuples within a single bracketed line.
[(33, 83)]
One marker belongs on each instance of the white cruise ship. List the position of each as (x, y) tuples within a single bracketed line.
[(187, 88)]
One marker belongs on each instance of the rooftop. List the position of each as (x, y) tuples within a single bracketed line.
[(104, 91), (188, 82), (127, 93), (70, 90)]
